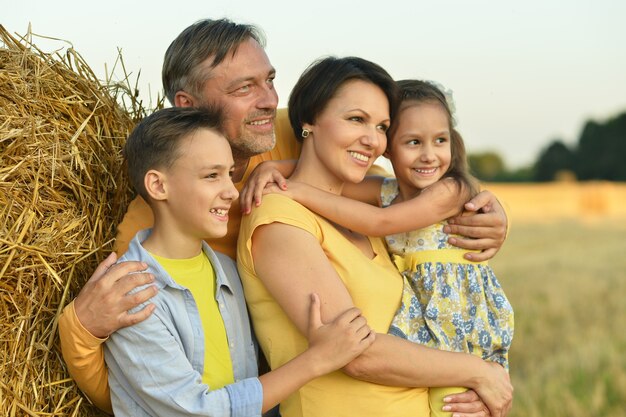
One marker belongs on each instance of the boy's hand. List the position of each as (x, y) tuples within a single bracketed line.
[(486, 229), (337, 343), (252, 192), (103, 303)]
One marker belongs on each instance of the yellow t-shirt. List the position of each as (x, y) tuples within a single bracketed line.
[(198, 276), (139, 215), (375, 286)]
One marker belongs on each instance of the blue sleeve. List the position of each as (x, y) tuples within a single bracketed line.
[(149, 371)]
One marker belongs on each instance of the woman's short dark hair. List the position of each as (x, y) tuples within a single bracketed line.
[(322, 79)]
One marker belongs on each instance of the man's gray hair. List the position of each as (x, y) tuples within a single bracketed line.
[(183, 67)]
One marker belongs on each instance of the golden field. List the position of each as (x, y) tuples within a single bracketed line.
[(563, 268)]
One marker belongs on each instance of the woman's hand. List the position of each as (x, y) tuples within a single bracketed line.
[(466, 404), (495, 390), (485, 230), (103, 303)]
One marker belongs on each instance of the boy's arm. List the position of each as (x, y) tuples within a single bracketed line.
[(331, 346), (435, 203), (147, 360)]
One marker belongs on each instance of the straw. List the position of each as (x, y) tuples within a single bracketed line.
[(62, 193)]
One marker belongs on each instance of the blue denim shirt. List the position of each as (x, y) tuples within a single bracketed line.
[(155, 366)]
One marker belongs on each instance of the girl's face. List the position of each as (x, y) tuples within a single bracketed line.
[(420, 146), (349, 134)]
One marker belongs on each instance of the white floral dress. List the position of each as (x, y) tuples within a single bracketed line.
[(447, 302)]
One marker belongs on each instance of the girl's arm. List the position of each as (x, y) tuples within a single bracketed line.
[(274, 173), (438, 202), (389, 360)]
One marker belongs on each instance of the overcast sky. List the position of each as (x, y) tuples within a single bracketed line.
[(523, 73)]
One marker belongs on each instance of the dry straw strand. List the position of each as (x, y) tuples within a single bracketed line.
[(62, 192)]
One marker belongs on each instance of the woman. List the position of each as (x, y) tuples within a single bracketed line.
[(342, 109)]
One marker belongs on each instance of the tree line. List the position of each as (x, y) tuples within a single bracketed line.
[(600, 154)]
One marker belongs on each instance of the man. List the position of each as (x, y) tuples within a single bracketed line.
[(221, 63)]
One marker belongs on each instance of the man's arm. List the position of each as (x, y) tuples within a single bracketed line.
[(84, 357), (486, 230), (100, 309)]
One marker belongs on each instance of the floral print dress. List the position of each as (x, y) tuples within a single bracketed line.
[(447, 302)]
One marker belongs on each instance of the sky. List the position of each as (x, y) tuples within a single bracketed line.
[(523, 73)]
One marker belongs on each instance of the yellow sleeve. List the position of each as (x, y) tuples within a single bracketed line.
[(287, 146), (138, 217), (84, 356)]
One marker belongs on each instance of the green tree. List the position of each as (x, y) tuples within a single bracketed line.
[(601, 150), (556, 157), (486, 166)]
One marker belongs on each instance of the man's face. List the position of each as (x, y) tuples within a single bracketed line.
[(243, 85)]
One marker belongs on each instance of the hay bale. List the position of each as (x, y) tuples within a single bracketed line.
[(62, 192)]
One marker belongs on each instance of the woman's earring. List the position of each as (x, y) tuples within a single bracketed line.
[(305, 133)]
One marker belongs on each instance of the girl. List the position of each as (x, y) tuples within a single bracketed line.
[(448, 302)]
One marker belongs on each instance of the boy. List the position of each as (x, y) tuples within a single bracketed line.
[(195, 355)]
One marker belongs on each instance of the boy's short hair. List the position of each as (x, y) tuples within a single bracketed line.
[(154, 142)]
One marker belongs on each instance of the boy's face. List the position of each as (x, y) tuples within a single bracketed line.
[(199, 187)]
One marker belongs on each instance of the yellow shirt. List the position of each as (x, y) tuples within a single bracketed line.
[(139, 215), (375, 286), (198, 276)]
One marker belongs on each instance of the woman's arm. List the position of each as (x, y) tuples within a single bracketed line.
[(434, 204), (390, 360)]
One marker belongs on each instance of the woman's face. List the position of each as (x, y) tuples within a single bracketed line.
[(349, 134)]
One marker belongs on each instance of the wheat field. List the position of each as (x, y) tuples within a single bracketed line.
[(565, 274)]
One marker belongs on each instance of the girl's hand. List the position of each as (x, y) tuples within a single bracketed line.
[(485, 230), (252, 192), (337, 343), (295, 190)]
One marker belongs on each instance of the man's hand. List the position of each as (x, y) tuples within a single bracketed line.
[(103, 303), (485, 230)]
